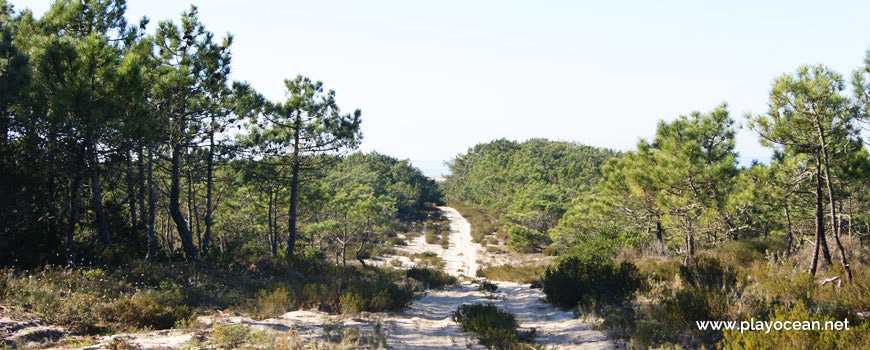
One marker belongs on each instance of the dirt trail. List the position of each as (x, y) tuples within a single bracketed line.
[(426, 324)]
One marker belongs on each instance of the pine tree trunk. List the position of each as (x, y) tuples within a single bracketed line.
[(206, 243), (835, 227), (152, 209), (184, 233), (294, 188), (143, 221), (660, 235), (790, 240), (821, 243), (131, 196), (273, 250), (73, 217), (96, 197)]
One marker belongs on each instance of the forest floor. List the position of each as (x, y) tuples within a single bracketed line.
[(425, 324)]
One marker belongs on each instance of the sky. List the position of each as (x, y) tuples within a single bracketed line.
[(435, 78)]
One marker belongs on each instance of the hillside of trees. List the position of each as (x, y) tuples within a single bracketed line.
[(529, 185)]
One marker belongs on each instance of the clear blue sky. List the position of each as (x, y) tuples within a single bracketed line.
[(435, 78)]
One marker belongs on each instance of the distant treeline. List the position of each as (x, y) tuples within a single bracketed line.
[(684, 187)]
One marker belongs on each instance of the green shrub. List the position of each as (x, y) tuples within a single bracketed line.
[(229, 336), (745, 252), (482, 222), (525, 240), (276, 302), (351, 303), (487, 286), (591, 283), (144, 311), (120, 343), (707, 272), (431, 236), (496, 328), (428, 259), (856, 295), (857, 337), (657, 269), (431, 278), (514, 273), (692, 304)]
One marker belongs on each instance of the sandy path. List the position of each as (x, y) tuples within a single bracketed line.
[(426, 324), (460, 257)]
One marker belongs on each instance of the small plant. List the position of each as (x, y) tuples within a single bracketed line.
[(428, 259), (121, 343), (525, 240), (707, 272), (496, 328), (431, 278), (278, 301), (229, 336), (514, 273), (351, 303), (487, 286)]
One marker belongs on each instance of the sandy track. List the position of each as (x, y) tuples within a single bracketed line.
[(426, 324), (460, 257)]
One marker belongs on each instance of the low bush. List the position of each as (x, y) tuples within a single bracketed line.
[(351, 303), (691, 304), (144, 311), (229, 336), (279, 300), (431, 236), (857, 337), (487, 286), (591, 283), (708, 273), (514, 273), (525, 240), (483, 223), (428, 259), (161, 295), (430, 277), (496, 328)]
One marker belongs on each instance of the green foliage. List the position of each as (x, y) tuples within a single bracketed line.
[(692, 304), (525, 273), (431, 278), (483, 223), (160, 296), (591, 283), (857, 337), (529, 184), (351, 303), (708, 273), (229, 336), (523, 239), (279, 300), (487, 286), (496, 328), (428, 260)]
